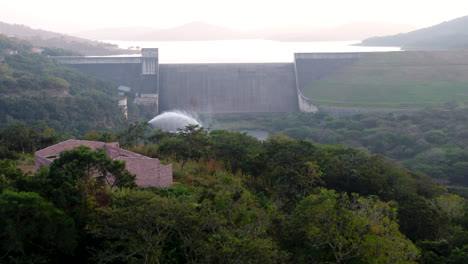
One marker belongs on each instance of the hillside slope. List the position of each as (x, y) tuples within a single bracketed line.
[(450, 35), (346, 32), (34, 88), (48, 39)]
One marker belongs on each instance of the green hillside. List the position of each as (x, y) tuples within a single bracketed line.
[(47, 39), (450, 35), (34, 88), (398, 80)]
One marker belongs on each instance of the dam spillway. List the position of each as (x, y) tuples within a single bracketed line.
[(215, 87)]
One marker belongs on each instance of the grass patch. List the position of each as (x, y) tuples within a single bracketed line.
[(396, 81)]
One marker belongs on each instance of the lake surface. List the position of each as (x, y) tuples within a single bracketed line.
[(235, 51)]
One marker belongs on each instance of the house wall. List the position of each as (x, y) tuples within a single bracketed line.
[(150, 172)]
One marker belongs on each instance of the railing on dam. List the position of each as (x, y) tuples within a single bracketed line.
[(97, 60), (334, 55), (149, 65)]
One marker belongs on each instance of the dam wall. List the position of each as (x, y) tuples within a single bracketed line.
[(125, 74), (305, 104), (228, 87), (311, 67), (217, 87), (139, 73)]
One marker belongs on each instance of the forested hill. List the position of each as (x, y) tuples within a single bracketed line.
[(35, 88), (450, 35), (47, 39)]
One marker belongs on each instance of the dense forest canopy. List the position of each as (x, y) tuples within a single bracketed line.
[(432, 140), (236, 200)]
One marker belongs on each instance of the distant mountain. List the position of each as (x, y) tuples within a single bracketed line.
[(48, 39), (125, 33), (199, 31), (450, 35), (346, 32), (195, 31)]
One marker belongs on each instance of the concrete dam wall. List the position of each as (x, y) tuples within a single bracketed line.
[(138, 73), (228, 88), (121, 74), (311, 67), (217, 87)]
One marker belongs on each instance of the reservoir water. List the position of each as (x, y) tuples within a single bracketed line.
[(235, 51)]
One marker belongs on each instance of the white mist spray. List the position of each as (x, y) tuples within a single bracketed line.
[(173, 120)]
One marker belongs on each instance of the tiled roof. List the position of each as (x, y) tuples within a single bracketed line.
[(55, 150), (148, 171)]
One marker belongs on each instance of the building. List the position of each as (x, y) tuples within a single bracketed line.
[(149, 171)]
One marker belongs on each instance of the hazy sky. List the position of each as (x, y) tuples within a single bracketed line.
[(70, 16)]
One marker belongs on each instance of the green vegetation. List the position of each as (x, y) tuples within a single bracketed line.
[(431, 141), (34, 88), (398, 80), (13, 44), (450, 35), (237, 200)]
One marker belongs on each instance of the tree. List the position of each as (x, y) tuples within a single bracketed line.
[(420, 219), (157, 135), (291, 169), (100, 136), (192, 143), (329, 227), (16, 137), (20, 138), (82, 177), (458, 255), (9, 173), (237, 150), (32, 230), (135, 134), (138, 225), (221, 224), (453, 206)]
